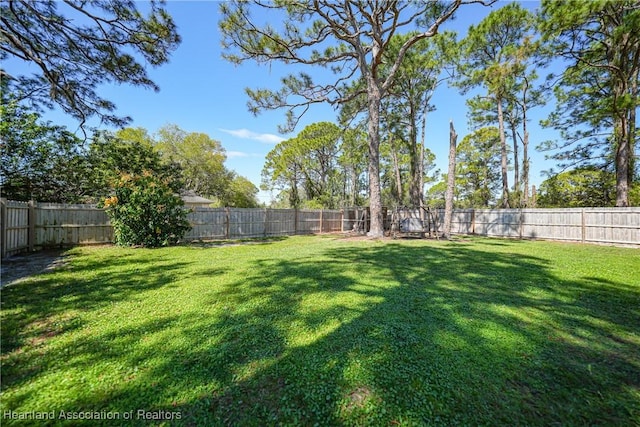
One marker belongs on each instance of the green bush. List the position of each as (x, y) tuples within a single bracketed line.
[(145, 212)]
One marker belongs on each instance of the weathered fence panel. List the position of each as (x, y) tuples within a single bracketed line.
[(462, 221), (246, 223), (239, 223), (498, 223), (280, 222), (14, 227), (407, 221), (208, 224), (348, 220), (596, 225), (308, 222), (331, 221), (553, 224), (613, 225), (65, 224)]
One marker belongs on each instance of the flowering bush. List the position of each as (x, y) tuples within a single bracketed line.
[(144, 211)]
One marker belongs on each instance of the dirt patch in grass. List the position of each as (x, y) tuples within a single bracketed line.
[(18, 267), (358, 397)]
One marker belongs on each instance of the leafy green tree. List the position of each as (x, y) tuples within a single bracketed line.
[(352, 160), (188, 161), (129, 151), (39, 161), (523, 96), (583, 187), (478, 168), (403, 165), (145, 211), (529, 56), (491, 58), (409, 101), (597, 95), (351, 38), (241, 194), (397, 163), (200, 158), (398, 169), (435, 197), (307, 167), (320, 143), (393, 159), (282, 171), (451, 183), (78, 46), (48, 163)]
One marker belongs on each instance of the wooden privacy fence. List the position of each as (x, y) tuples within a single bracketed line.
[(239, 223), (593, 225), (27, 226)]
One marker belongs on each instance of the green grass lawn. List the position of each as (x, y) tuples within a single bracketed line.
[(329, 331)]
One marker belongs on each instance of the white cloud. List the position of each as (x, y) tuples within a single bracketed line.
[(232, 154), (267, 138), (236, 154)]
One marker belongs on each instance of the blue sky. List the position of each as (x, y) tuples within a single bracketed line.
[(201, 92)]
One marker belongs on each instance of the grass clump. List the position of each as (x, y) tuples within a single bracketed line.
[(329, 331)]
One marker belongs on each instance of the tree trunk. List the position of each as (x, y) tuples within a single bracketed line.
[(294, 198), (622, 162), (633, 129), (516, 165), (525, 146), (632, 132), (451, 180), (503, 156), (421, 185), (414, 158), (375, 197), (525, 169), (354, 186), (396, 170), (525, 165), (345, 183), (421, 176)]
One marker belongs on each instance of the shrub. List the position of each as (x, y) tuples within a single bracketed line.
[(144, 211)]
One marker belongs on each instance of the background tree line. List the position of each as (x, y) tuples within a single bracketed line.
[(384, 81), (45, 162), (596, 104)]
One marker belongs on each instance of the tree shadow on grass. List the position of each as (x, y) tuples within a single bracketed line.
[(377, 334), (460, 335), (235, 242), (53, 303)]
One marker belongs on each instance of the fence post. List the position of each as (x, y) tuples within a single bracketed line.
[(266, 221), (473, 221), (31, 237), (321, 225), (295, 221), (583, 226), (227, 225), (3, 227)]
